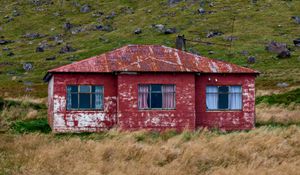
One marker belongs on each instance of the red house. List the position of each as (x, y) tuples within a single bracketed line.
[(150, 87)]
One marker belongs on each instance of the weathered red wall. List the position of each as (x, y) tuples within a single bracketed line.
[(89, 121), (50, 102), (131, 118), (226, 120)]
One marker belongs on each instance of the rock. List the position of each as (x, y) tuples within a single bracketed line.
[(127, 10), (160, 27), (211, 52), (201, 11), (138, 31), (8, 18), (85, 8), (170, 30), (77, 30), (282, 84), (33, 35), (97, 14), (27, 66), (230, 38), (66, 49), (245, 52), (15, 13), (3, 41), (111, 15), (51, 58), (68, 26), (10, 54), (211, 4), (297, 42), (284, 54), (251, 60), (39, 49), (41, 2), (6, 49), (213, 34), (107, 28), (279, 48), (296, 19), (172, 2), (58, 39)]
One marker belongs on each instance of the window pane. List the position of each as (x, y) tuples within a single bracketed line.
[(74, 101), (73, 88), (84, 101), (223, 89), (223, 97), (155, 88), (156, 100), (212, 97), (235, 97), (93, 101), (85, 89)]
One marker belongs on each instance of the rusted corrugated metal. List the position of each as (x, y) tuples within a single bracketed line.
[(151, 58)]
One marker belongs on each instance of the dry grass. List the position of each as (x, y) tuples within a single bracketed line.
[(261, 151), (262, 92), (278, 113)]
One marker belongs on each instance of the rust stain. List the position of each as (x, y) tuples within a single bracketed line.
[(151, 58)]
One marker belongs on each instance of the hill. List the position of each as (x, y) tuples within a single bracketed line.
[(37, 35)]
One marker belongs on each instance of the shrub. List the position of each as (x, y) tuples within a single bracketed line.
[(32, 125)]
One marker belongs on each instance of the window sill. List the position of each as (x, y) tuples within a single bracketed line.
[(220, 110), (85, 110), (157, 109)]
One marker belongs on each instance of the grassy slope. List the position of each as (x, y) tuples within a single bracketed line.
[(255, 25)]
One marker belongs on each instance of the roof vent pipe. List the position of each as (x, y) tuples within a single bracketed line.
[(180, 43)]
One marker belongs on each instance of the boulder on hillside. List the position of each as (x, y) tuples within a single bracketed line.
[(68, 26), (251, 60), (279, 48), (66, 49), (170, 30), (33, 35), (297, 42), (172, 2), (296, 19), (213, 34), (85, 8), (138, 31), (3, 41)]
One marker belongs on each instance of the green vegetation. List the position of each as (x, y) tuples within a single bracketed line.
[(255, 25), (32, 125), (284, 98)]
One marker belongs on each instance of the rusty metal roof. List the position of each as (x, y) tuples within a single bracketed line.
[(151, 58)]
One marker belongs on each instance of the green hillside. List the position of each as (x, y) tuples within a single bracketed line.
[(92, 27)]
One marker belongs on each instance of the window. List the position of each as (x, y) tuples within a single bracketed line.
[(224, 97), (84, 97), (156, 96)]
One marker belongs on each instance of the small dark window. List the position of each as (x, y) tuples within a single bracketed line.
[(224, 97), (84, 97), (156, 96)]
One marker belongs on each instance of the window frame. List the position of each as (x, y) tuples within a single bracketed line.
[(228, 110), (150, 92), (78, 97)]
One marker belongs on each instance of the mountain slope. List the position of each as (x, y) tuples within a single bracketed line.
[(88, 28)]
